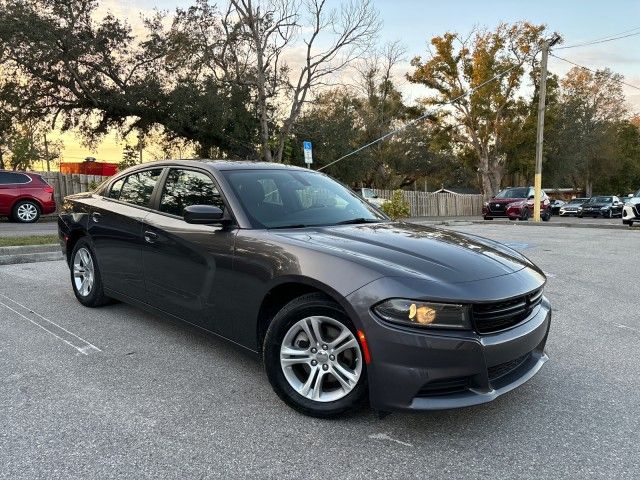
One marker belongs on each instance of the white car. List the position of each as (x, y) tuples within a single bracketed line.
[(372, 197), (631, 209)]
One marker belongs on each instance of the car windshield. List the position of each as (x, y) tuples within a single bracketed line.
[(577, 201), (519, 192), (600, 200), (297, 198)]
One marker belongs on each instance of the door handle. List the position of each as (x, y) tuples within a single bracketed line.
[(150, 237), (95, 216)]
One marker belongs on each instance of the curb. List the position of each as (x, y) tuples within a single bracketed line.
[(29, 254), (460, 223)]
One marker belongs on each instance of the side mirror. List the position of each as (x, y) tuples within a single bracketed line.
[(531, 197), (202, 214), (630, 195)]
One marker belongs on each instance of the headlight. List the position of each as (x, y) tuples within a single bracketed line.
[(424, 314), (517, 204)]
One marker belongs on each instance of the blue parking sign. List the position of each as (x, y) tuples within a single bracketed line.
[(308, 156)]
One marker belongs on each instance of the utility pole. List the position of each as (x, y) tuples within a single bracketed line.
[(542, 94)]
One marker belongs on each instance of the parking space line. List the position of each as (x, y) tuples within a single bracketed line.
[(83, 349)]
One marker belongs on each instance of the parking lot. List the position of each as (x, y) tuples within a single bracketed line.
[(118, 393)]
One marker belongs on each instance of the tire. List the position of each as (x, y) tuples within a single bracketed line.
[(630, 223), (546, 217), (83, 259), (610, 214), (524, 216), (579, 216), (26, 211), (294, 376), (488, 218)]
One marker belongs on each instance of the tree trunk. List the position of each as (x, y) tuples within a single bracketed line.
[(491, 173), (1, 160)]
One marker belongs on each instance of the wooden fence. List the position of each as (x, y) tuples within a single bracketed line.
[(425, 204), (67, 183)]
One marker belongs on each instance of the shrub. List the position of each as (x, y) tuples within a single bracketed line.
[(397, 207)]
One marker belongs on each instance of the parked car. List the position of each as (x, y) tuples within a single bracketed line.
[(24, 196), (556, 205), (571, 207), (340, 302), (631, 209), (372, 197), (601, 206), (515, 203)]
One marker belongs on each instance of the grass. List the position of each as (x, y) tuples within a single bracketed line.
[(28, 240)]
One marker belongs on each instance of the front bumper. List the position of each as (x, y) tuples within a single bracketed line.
[(631, 212), (438, 369)]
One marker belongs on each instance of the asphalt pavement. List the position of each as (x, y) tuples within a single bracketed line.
[(118, 393), (46, 226)]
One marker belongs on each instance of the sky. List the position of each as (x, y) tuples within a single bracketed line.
[(414, 22)]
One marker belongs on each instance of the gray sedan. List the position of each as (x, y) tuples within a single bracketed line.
[(342, 304)]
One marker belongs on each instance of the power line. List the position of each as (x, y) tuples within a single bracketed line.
[(421, 117), (609, 38), (593, 71)]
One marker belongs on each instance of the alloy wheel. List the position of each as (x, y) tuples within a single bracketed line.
[(27, 212), (321, 359), (83, 272)]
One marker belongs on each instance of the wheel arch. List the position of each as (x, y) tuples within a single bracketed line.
[(74, 235), (22, 198), (288, 289)]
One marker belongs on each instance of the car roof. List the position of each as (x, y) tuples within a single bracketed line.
[(225, 164)]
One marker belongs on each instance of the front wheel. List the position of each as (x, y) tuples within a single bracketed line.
[(609, 214), (313, 358), (525, 215)]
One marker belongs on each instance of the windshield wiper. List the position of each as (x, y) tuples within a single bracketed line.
[(354, 221)]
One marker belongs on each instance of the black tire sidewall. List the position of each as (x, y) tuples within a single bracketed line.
[(305, 306), (96, 296), (14, 212)]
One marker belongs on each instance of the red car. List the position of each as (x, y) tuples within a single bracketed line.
[(516, 203), (25, 196)]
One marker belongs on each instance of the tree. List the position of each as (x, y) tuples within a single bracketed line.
[(98, 76), (485, 119), (590, 111), (260, 39)]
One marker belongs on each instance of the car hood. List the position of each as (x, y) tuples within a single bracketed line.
[(399, 249), (596, 205), (507, 200)]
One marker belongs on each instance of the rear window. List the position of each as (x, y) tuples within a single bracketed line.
[(136, 188), (13, 178)]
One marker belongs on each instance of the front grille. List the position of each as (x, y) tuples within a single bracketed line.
[(493, 317), (636, 209), (505, 368), (497, 207), (446, 386)]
